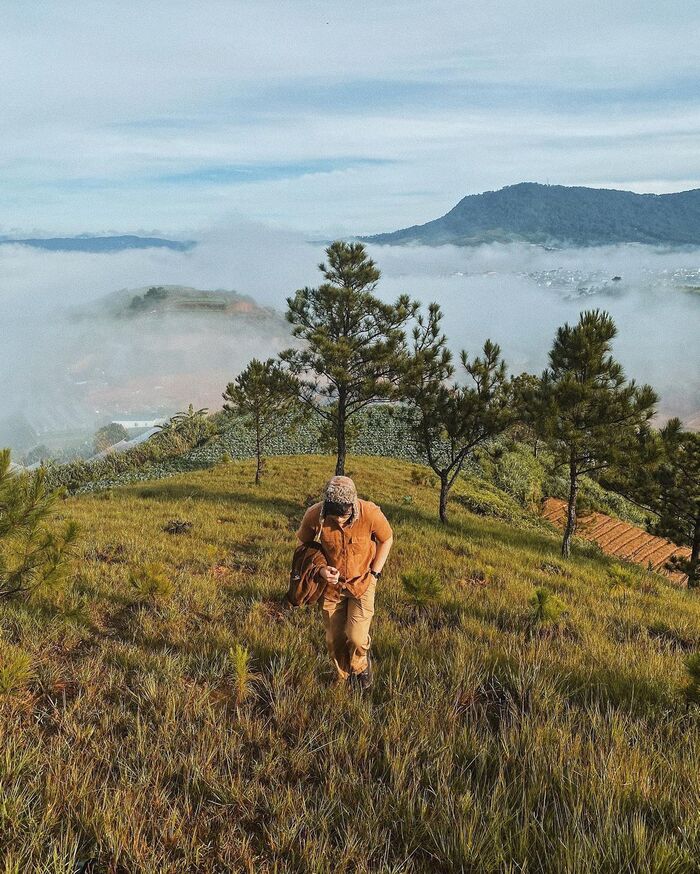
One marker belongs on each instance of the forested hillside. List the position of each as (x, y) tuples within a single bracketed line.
[(557, 214)]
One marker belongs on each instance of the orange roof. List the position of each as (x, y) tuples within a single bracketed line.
[(618, 538)]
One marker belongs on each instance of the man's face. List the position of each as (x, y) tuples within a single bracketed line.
[(340, 511)]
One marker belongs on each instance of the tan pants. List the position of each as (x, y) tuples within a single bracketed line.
[(347, 624)]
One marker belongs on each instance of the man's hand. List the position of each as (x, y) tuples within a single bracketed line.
[(330, 574)]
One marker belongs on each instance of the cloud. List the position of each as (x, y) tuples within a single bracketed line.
[(515, 294), (339, 112)]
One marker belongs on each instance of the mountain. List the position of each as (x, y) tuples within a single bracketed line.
[(560, 215), (99, 245)]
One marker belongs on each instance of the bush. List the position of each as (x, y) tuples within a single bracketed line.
[(151, 582), (15, 669), (423, 476), (520, 475), (422, 587), (692, 688), (483, 499), (547, 609)]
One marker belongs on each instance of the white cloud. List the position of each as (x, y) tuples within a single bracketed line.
[(101, 98)]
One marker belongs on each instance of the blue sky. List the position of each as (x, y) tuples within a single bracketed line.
[(331, 117)]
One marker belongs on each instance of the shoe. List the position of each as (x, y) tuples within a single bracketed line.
[(363, 681)]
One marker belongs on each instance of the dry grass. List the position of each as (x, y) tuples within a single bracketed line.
[(165, 715)]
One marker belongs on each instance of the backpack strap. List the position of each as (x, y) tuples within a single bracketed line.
[(321, 519)]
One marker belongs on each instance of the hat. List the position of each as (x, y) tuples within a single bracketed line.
[(341, 490)]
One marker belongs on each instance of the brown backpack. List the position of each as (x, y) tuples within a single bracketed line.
[(305, 585)]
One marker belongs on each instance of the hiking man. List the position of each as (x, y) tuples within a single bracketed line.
[(356, 539)]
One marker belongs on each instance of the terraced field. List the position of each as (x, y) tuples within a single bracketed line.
[(622, 540)]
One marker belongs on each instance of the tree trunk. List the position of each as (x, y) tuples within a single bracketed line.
[(570, 511), (258, 459), (694, 564), (444, 491), (340, 439)]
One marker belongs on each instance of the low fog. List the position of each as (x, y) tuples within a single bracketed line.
[(515, 294)]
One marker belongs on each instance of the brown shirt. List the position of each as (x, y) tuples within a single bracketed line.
[(350, 547)]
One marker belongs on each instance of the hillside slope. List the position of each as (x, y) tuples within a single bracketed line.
[(557, 214), (490, 742), (624, 541)]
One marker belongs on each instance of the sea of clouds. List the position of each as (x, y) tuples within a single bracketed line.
[(515, 294)]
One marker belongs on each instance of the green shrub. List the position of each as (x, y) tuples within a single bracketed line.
[(33, 551), (15, 669), (622, 576), (483, 499), (520, 475), (150, 582), (422, 587), (547, 609), (423, 476), (692, 687)]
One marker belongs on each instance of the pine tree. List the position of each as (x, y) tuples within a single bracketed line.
[(353, 342), (586, 410), (668, 485), (678, 503), (449, 420), (31, 554), (265, 396)]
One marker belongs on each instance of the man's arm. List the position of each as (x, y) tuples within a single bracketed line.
[(384, 537), (382, 554)]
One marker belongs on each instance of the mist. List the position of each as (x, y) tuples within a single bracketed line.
[(515, 294), (519, 294)]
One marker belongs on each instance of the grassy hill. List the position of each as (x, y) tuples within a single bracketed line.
[(163, 714), (164, 300)]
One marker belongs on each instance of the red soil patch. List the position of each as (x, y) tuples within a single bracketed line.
[(621, 539)]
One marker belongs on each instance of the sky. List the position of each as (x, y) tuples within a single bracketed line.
[(333, 118)]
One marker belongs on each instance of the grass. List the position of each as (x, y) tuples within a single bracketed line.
[(163, 714)]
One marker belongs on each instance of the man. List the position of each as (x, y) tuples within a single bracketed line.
[(356, 539)]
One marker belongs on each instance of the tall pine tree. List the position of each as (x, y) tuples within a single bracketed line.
[(586, 410), (353, 343)]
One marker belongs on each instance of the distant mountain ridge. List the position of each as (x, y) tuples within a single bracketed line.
[(106, 244), (560, 215)]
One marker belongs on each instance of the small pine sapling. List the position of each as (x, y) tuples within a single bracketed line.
[(691, 690), (547, 609), (33, 552), (242, 677), (151, 583), (15, 669), (422, 587)]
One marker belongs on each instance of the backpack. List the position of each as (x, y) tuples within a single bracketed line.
[(305, 585)]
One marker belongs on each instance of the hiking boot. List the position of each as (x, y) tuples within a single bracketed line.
[(363, 681)]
